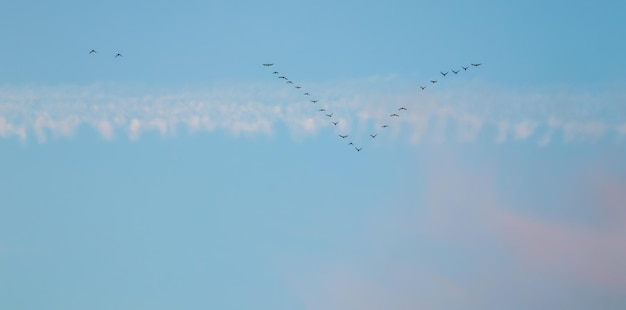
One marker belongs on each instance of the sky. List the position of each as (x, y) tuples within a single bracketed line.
[(185, 174)]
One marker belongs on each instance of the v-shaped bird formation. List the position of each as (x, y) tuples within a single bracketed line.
[(334, 120), (395, 114)]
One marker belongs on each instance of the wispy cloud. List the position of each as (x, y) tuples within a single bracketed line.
[(361, 107), (525, 129)]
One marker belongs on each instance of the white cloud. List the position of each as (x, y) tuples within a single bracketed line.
[(7, 129), (105, 129), (588, 129), (469, 127), (133, 128), (525, 129), (546, 139), (361, 107), (503, 127), (621, 129), (419, 127)]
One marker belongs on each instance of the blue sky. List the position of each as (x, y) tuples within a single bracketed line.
[(186, 175)]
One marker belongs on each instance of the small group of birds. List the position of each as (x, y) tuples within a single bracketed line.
[(453, 71), (395, 114), (314, 101), (95, 52), (423, 87)]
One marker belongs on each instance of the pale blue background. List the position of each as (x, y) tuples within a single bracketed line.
[(215, 221)]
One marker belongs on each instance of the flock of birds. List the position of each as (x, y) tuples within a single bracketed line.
[(335, 121), (373, 135)]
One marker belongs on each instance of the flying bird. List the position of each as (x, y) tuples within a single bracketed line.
[(464, 68), (476, 65), (373, 136), (307, 94), (322, 110), (402, 108), (433, 81), (394, 114), (343, 137), (314, 101), (275, 72), (329, 115), (422, 87), (118, 55), (335, 123), (289, 82), (358, 149), (268, 65), (444, 74), (298, 87), (456, 72), (384, 126), (92, 51), (282, 77), (350, 143)]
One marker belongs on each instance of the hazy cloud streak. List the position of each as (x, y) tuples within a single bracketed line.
[(361, 107)]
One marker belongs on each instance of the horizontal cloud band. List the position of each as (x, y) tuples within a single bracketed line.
[(360, 107)]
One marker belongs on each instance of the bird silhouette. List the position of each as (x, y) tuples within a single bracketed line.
[(384, 126), (402, 108), (275, 72), (422, 87), (373, 136), (118, 55), (298, 87), (307, 94), (433, 81), (92, 51), (268, 65), (329, 115), (289, 82), (314, 101), (358, 149), (350, 143), (476, 65), (456, 72), (322, 110), (343, 137), (335, 123), (282, 77), (444, 74), (394, 114), (464, 68)]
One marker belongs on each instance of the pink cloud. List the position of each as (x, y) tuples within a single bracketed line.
[(465, 206), (589, 254), (462, 244)]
